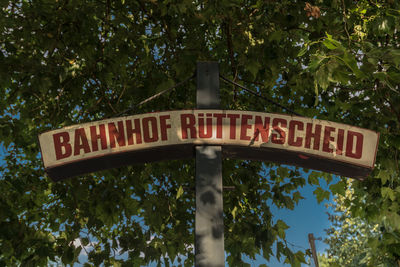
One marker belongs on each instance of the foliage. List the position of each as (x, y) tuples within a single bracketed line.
[(68, 61), (351, 239)]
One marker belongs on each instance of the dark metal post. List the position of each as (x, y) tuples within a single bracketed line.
[(209, 224), (311, 240)]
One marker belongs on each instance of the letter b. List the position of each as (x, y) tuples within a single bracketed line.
[(58, 145)]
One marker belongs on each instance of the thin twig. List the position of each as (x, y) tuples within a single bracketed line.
[(293, 245), (259, 95), (154, 96), (228, 28), (123, 91), (112, 108), (230, 45), (345, 20)]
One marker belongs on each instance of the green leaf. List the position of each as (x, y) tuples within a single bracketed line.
[(275, 36), (313, 178), (384, 24), (322, 76), (180, 192), (253, 67), (380, 75), (393, 55), (394, 219), (321, 194), (68, 256), (393, 12), (332, 44), (303, 51), (297, 196), (282, 172), (351, 62), (316, 93), (388, 192), (300, 256), (281, 227), (233, 212), (338, 188), (280, 249), (394, 76), (340, 75), (84, 241), (384, 175), (316, 61)]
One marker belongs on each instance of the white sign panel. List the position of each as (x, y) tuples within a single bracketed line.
[(238, 132)]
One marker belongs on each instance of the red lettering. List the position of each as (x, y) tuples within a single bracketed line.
[(130, 131), (95, 137), (339, 143), (59, 145), (244, 127), (261, 129), (282, 135), (146, 129), (219, 124), (232, 123), (292, 133), (316, 135), (81, 142), (115, 134), (327, 139), (202, 132), (188, 125), (164, 126), (359, 145)]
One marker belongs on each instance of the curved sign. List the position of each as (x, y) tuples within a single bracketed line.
[(310, 143)]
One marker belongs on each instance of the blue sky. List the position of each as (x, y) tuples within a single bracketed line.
[(307, 217)]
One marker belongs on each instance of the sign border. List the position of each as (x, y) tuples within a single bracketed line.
[(59, 171)]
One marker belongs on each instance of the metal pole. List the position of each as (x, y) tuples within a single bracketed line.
[(209, 224), (311, 240)]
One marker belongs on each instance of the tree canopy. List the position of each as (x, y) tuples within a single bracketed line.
[(70, 61), (351, 239)]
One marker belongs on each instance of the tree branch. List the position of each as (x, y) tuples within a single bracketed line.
[(228, 30), (345, 21)]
